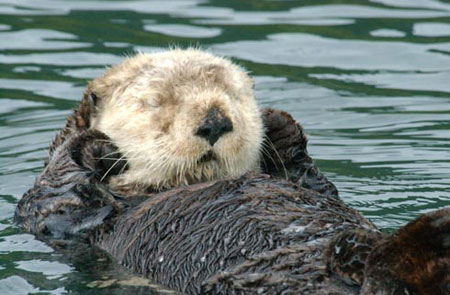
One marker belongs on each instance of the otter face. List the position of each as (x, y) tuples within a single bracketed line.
[(179, 117)]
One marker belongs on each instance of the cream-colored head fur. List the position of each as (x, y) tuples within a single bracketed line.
[(152, 105)]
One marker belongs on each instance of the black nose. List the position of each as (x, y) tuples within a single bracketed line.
[(214, 125)]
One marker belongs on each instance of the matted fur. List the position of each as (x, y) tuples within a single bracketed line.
[(152, 105)]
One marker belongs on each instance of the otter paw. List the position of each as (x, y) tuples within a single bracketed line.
[(285, 153), (95, 151)]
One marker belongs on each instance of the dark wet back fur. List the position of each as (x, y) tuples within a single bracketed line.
[(253, 227)]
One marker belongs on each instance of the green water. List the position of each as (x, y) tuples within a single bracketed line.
[(369, 81)]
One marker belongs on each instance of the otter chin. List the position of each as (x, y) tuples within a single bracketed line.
[(178, 117)]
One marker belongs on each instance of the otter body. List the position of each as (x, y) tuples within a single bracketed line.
[(253, 235), (168, 165)]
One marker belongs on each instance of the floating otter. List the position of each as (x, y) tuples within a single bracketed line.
[(264, 222)]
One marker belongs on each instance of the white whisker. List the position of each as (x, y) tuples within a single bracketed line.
[(110, 168)]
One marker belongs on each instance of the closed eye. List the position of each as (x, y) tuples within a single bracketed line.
[(150, 103)]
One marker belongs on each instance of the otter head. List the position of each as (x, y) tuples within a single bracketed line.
[(178, 117)]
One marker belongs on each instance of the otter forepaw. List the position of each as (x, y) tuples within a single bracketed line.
[(95, 151), (285, 153)]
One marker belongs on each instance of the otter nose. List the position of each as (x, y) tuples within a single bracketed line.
[(214, 125)]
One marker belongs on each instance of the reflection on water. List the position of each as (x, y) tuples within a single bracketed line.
[(369, 81), (317, 51)]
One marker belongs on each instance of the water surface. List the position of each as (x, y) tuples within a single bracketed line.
[(369, 81)]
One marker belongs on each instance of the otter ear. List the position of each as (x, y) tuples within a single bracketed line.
[(93, 102), (93, 99)]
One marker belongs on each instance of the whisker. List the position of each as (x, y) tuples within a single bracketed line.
[(120, 159), (266, 152), (269, 155), (110, 168), (279, 157), (109, 154), (122, 169), (104, 140)]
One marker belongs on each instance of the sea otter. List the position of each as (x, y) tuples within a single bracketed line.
[(168, 165)]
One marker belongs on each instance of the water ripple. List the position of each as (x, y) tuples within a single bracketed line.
[(39, 39), (317, 51)]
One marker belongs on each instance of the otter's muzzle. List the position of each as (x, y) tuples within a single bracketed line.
[(214, 125)]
